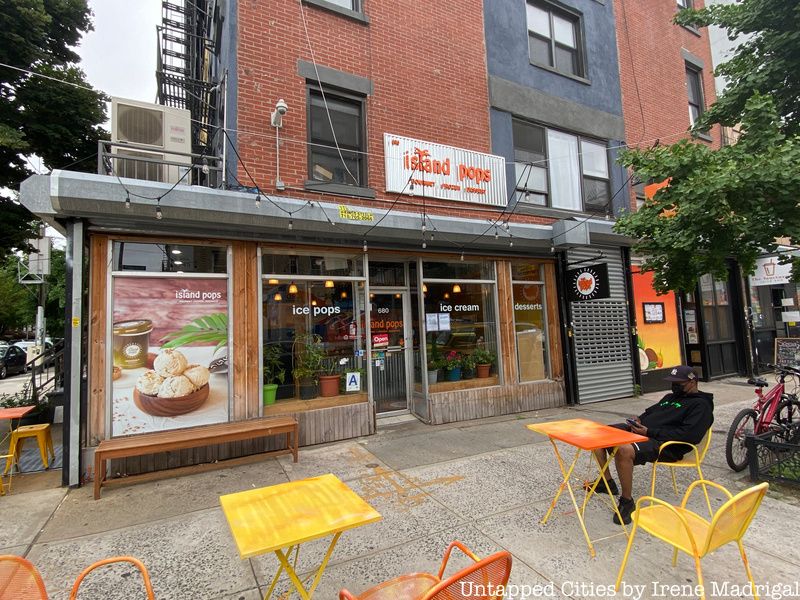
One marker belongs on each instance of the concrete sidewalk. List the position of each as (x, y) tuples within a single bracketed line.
[(486, 483)]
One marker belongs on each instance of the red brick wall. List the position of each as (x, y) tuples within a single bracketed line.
[(427, 61), (650, 55)]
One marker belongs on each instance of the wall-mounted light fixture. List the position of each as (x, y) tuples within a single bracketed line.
[(276, 119), (273, 281)]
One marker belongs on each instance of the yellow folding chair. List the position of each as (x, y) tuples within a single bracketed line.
[(689, 532), (692, 459)]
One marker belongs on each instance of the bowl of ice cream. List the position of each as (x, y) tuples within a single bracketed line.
[(173, 387)]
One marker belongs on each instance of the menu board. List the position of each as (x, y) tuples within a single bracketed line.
[(787, 352)]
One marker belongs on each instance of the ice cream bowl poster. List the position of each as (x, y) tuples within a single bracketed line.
[(181, 378)]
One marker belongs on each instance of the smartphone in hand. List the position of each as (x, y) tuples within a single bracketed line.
[(632, 422)]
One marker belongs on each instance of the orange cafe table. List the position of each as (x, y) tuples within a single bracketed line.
[(16, 412), (280, 518), (585, 436)]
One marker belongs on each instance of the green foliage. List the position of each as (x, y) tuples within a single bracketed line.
[(727, 203), (308, 352), (468, 362), (452, 360), (482, 356), (273, 364), (18, 307), (767, 61), (203, 330), (55, 121)]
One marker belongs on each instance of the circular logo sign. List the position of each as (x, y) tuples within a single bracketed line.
[(585, 283)]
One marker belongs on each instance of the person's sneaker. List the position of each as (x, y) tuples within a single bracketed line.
[(625, 507), (601, 489)]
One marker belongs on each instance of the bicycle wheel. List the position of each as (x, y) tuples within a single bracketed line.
[(788, 418), (743, 424)]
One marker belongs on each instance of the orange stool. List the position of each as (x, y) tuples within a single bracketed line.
[(42, 434)]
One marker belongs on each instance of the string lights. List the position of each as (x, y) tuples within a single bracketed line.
[(258, 200), (127, 199), (159, 214)]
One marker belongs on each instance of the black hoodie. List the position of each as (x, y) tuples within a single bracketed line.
[(683, 419)]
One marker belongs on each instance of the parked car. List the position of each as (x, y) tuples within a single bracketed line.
[(25, 344), (12, 360)]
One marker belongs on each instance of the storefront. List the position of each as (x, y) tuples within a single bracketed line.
[(774, 302), (187, 332)]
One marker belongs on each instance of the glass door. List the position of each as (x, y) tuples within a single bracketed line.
[(389, 359)]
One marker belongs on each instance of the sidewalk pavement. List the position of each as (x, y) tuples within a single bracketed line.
[(486, 482)]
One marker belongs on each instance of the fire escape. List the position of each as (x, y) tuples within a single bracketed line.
[(185, 69)]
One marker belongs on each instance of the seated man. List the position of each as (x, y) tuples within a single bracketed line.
[(684, 415)]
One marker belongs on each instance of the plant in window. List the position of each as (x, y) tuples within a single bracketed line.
[(273, 371), (483, 361), (452, 366), (308, 353), (468, 366), (330, 375)]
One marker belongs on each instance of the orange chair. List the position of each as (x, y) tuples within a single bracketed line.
[(688, 532), (488, 577), (19, 580), (136, 563)]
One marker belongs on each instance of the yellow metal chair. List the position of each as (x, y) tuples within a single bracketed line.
[(692, 459), (484, 579), (43, 437), (689, 532)]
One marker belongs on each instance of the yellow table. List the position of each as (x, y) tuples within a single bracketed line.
[(585, 436), (280, 518)]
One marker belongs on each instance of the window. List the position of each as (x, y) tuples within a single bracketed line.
[(325, 163), (530, 324), (694, 89), (554, 39), (349, 4), (685, 4), (169, 258), (575, 177)]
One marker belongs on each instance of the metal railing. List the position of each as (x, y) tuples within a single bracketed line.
[(135, 161), (46, 373)]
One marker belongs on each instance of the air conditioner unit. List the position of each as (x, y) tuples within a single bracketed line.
[(163, 129)]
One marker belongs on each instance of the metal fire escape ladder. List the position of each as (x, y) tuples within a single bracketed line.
[(184, 69)]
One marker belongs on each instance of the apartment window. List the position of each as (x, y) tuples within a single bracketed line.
[(560, 170), (326, 163), (554, 38), (685, 4), (694, 89), (350, 4)]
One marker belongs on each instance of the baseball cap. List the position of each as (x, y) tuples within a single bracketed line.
[(681, 373)]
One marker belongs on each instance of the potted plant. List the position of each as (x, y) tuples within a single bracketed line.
[(435, 363), (483, 361), (273, 371), (452, 366), (330, 376), (308, 353), (467, 366)]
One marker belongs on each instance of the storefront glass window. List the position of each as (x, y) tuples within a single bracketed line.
[(319, 264), (169, 258), (531, 331), (459, 270), (312, 329), (460, 325)]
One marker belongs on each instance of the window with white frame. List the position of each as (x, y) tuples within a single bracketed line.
[(554, 38), (694, 90), (685, 4), (560, 170)]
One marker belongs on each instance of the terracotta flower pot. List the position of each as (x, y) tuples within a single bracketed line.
[(328, 385), (483, 371)]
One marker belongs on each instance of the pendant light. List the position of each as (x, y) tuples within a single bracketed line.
[(292, 288), (277, 297), (328, 283), (456, 289), (273, 282)]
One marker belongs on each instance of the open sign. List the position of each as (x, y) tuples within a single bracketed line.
[(380, 340)]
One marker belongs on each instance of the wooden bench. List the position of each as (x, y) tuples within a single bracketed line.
[(179, 439)]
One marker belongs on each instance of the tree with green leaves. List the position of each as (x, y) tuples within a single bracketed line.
[(727, 203), (734, 201), (766, 61), (45, 108)]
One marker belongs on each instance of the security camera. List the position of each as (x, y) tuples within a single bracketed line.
[(277, 115)]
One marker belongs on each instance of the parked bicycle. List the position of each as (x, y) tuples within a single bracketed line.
[(776, 411)]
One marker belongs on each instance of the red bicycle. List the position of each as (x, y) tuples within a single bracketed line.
[(777, 411)]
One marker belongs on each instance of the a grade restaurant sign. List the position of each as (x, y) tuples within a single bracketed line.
[(445, 172)]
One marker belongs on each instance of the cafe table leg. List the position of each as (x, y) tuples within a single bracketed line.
[(565, 483), (614, 505), (290, 570)]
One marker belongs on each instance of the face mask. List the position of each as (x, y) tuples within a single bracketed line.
[(677, 389)]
